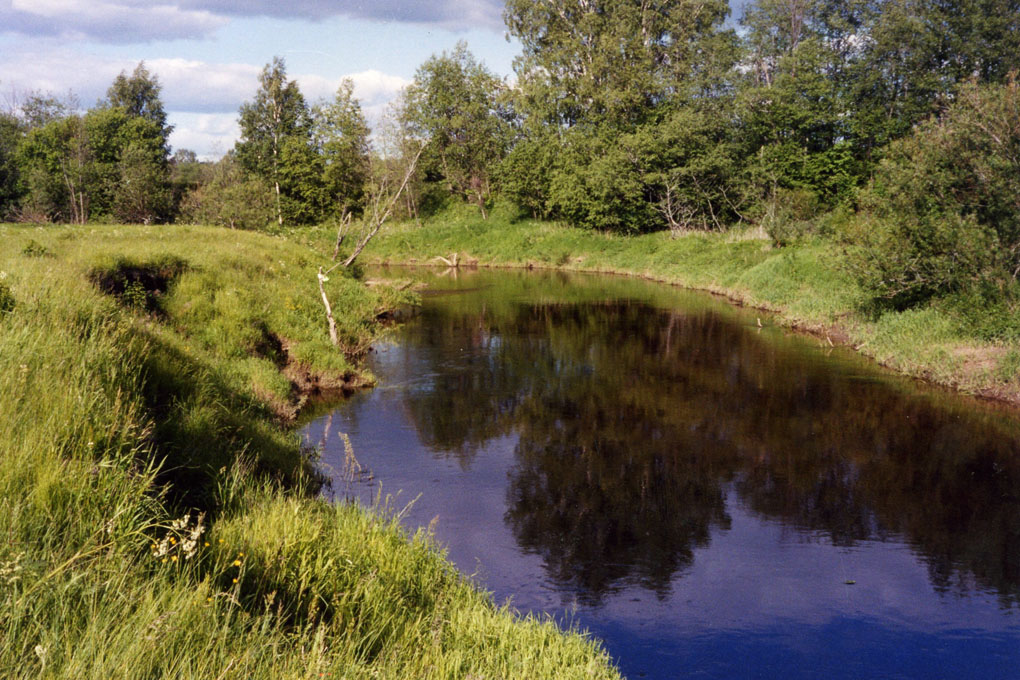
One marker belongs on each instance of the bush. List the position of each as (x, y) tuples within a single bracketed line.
[(942, 214), (6, 299), (788, 215), (230, 200)]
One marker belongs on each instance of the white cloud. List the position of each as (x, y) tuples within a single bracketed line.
[(210, 135), (123, 21), (201, 87), (140, 21), (453, 14), (372, 86), (46, 67), (202, 98)]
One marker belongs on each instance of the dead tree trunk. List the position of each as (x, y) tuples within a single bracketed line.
[(341, 232), (329, 309), (381, 211)]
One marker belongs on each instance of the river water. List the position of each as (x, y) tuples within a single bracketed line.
[(710, 497)]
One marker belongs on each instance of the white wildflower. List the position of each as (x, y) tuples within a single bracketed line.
[(10, 572), (182, 538)]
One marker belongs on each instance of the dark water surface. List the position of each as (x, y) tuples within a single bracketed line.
[(711, 498)]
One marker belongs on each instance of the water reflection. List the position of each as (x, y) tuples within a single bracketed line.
[(632, 423)]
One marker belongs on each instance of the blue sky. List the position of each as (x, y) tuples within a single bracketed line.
[(208, 53)]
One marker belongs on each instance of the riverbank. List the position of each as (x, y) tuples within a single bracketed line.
[(160, 520), (804, 285)]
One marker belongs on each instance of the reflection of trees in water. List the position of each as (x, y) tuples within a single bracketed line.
[(608, 505), (630, 420)]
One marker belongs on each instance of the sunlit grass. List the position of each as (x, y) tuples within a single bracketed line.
[(122, 417)]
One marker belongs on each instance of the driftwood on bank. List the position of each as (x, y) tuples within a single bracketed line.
[(452, 261), (329, 309)]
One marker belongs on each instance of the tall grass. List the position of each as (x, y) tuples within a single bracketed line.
[(127, 419)]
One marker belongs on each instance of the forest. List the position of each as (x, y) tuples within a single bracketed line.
[(891, 127)]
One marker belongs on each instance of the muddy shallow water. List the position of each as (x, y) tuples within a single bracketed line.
[(711, 498)]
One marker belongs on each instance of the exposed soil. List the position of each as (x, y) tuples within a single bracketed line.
[(306, 384), (140, 285)]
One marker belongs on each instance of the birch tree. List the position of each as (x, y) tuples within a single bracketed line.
[(277, 114)]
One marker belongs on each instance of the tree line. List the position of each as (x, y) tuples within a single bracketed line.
[(893, 125)]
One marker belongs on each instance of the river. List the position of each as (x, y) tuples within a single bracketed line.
[(710, 494)]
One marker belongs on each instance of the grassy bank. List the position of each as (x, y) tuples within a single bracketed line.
[(158, 520), (804, 284)]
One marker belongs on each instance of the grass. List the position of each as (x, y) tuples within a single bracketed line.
[(804, 284), (158, 518)]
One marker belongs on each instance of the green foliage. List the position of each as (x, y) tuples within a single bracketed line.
[(943, 212), (789, 215), (39, 109), (11, 132), (455, 104), (7, 301), (525, 175), (918, 52), (230, 199), (35, 249), (106, 162), (678, 173), (340, 135), (622, 103), (611, 62), (187, 174), (142, 191)]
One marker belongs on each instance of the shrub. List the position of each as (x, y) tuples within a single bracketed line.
[(942, 213), (6, 299), (788, 215)]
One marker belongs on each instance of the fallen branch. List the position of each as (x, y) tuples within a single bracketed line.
[(454, 260), (379, 216), (341, 232), (329, 310)]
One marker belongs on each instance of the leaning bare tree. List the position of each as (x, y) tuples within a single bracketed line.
[(381, 200)]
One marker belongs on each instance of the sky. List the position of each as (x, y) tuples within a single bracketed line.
[(207, 54)]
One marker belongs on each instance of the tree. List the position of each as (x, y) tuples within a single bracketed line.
[(596, 80), (38, 109), (11, 134), (454, 103), (187, 174), (792, 107), (340, 136), (595, 61), (143, 193), (138, 94), (918, 51), (230, 199), (943, 212), (59, 170), (277, 113), (103, 163)]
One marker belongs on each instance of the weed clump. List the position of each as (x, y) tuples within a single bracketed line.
[(6, 296), (139, 285), (35, 249)]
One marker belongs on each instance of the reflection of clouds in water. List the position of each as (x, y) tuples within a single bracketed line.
[(759, 573)]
